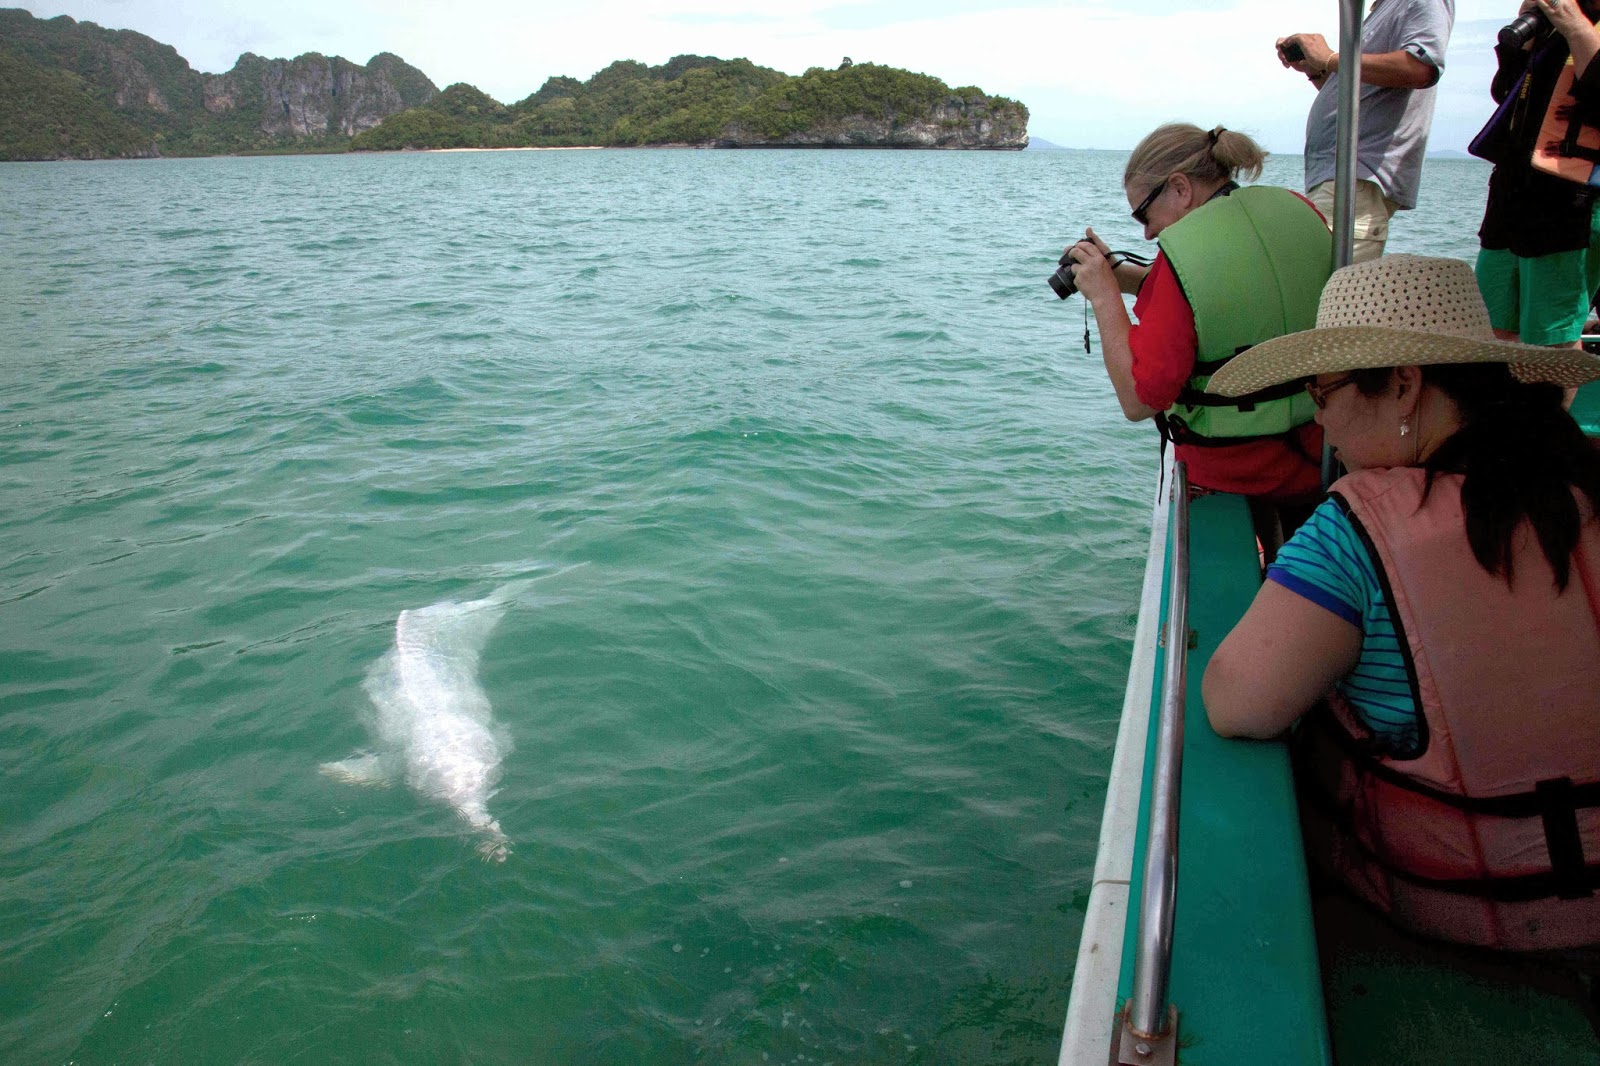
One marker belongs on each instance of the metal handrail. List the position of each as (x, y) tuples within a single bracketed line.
[(1148, 1009), (1348, 133), (1344, 165)]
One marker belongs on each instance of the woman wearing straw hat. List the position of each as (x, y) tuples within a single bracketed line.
[(1237, 266), (1441, 613)]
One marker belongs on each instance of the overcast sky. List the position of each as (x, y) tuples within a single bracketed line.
[(1094, 73)]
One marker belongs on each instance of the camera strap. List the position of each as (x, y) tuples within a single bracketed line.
[(1116, 259)]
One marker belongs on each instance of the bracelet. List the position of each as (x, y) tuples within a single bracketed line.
[(1331, 64)]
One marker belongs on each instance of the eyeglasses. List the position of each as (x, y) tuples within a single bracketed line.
[(1144, 205), (1320, 393)]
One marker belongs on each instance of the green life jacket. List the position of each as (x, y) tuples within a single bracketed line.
[(1252, 265)]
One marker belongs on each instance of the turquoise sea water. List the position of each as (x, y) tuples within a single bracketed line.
[(808, 759)]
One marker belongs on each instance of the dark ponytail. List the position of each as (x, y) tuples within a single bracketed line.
[(1521, 456)]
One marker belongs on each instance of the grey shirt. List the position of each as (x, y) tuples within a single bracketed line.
[(1394, 122)]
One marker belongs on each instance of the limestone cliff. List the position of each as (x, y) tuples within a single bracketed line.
[(316, 96), (75, 90), (704, 101), (954, 122)]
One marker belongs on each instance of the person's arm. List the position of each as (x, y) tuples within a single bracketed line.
[(1130, 275), (1283, 656), (1111, 315), (1583, 40), (1101, 287), (1390, 70), (1401, 69)]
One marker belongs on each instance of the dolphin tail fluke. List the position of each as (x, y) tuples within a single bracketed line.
[(513, 590), (362, 768)]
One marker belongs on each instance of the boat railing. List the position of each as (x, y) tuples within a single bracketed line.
[(1349, 124), (1149, 1029), (1344, 166), (1146, 1026)]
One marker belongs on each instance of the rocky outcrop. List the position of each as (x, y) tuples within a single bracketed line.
[(45, 114), (77, 90), (132, 85), (954, 123), (317, 96), (119, 68)]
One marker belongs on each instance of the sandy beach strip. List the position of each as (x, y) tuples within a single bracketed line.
[(529, 148)]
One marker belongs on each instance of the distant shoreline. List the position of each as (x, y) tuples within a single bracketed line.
[(524, 148), (1444, 156)]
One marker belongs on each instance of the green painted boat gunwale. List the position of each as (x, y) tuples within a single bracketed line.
[(1245, 976)]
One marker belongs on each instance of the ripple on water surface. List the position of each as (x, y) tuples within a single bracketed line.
[(807, 760)]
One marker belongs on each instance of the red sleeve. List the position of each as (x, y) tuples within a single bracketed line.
[(1164, 340), (1307, 201)]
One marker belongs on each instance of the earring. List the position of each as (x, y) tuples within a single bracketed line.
[(1405, 425)]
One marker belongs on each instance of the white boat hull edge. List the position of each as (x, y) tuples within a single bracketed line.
[(1091, 1010)]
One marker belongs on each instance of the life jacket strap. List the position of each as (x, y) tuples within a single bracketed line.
[(1211, 366), (1578, 151), (1582, 881), (1516, 805), (1569, 145), (1175, 430), (1191, 397), (1556, 802), (1562, 839)]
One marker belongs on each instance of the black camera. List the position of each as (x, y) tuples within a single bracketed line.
[(1062, 280), (1292, 52), (1524, 29), (1065, 282)]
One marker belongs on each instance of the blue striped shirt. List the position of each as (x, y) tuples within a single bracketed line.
[(1327, 563)]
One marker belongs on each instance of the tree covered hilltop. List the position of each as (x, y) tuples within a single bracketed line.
[(704, 101), (75, 90)]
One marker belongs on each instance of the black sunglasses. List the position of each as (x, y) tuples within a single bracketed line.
[(1144, 205)]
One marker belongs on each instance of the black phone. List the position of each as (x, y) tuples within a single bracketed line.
[(1292, 52)]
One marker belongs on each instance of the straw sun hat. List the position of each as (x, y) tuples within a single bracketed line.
[(1398, 310)]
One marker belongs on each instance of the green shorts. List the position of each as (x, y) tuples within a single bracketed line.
[(1543, 300)]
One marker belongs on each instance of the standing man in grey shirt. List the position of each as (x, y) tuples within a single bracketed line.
[(1402, 57)]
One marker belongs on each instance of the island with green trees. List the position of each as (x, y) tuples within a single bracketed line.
[(75, 90)]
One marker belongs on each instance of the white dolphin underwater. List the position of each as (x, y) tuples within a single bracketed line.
[(430, 721)]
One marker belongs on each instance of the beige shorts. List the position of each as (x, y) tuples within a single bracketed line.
[(1373, 212)]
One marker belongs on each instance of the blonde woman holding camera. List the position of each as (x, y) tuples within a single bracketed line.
[(1237, 266)]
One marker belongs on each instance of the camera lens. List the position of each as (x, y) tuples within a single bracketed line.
[(1524, 29), (1062, 281)]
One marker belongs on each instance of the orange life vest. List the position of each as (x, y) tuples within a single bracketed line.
[(1491, 835), (1566, 147)]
